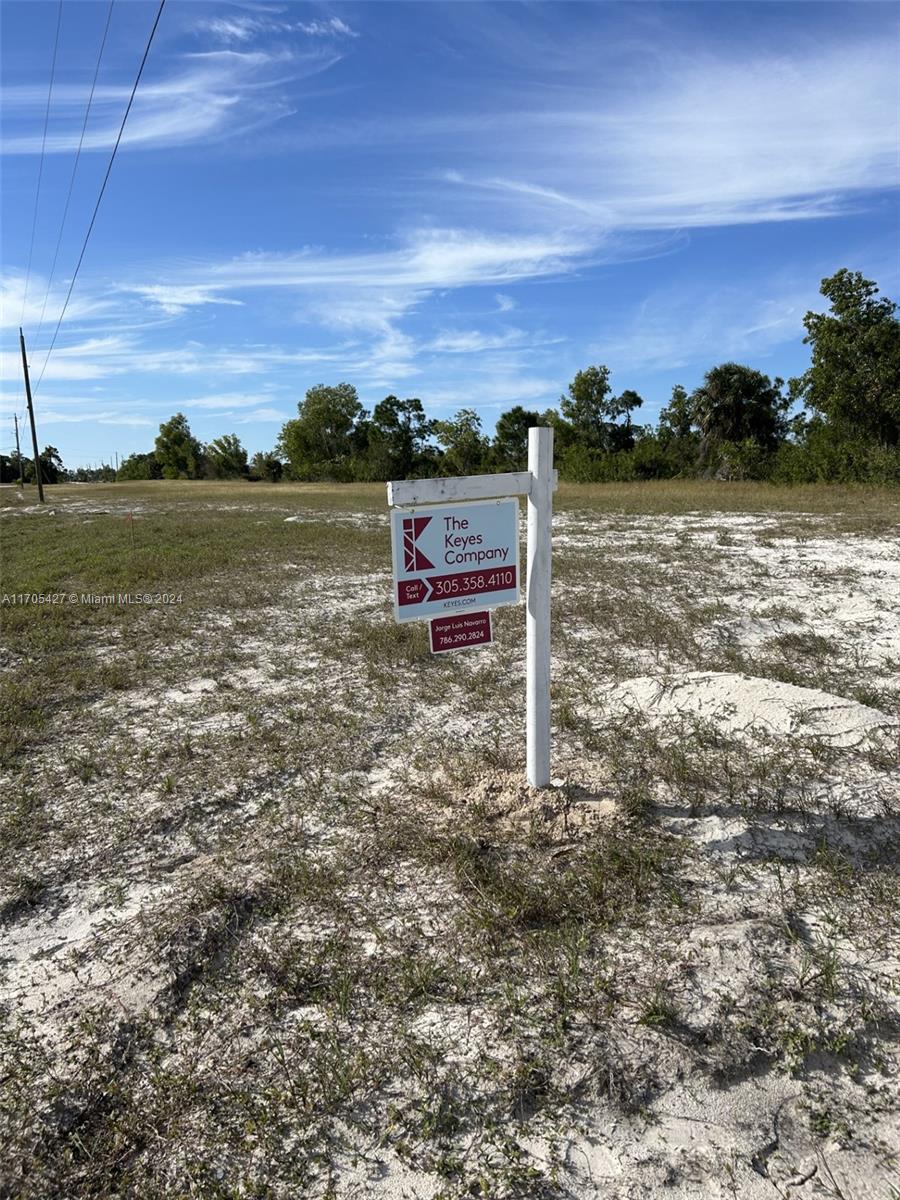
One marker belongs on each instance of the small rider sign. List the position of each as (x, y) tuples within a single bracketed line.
[(463, 631)]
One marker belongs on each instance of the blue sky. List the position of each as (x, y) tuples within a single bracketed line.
[(461, 202)]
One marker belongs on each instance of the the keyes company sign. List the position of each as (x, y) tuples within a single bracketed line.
[(451, 557)]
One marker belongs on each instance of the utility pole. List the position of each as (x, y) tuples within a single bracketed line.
[(19, 453), (37, 457)]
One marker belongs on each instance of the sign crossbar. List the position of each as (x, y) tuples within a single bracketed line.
[(405, 493)]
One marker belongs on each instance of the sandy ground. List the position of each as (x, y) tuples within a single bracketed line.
[(725, 685)]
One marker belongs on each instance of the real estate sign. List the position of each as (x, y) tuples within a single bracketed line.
[(462, 631), (459, 557), (452, 557)]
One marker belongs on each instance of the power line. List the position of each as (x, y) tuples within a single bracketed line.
[(112, 159), (37, 194), (74, 171)]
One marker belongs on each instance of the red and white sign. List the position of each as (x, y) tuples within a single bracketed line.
[(455, 557), (460, 632)]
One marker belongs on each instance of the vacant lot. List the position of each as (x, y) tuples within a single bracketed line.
[(280, 918)]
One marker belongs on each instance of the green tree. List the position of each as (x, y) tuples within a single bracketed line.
[(736, 404), (595, 414), (266, 465), (178, 452), (652, 458), (564, 434), (509, 451), (854, 378), (465, 446), (585, 407), (226, 458), (678, 418), (52, 469), (321, 441), (140, 466), (677, 435), (620, 433), (397, 438)]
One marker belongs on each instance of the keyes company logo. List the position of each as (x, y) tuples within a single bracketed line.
[(413, 558)]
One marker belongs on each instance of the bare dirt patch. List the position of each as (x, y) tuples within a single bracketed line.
[(280, 916)]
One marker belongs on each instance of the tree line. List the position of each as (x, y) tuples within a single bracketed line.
[(839, 421)]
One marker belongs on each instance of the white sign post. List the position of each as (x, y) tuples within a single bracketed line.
[(537, 622), (437, 568)]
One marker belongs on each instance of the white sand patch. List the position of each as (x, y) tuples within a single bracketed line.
[(217, 724), (216, 621), (191, 693), (64, 505), (124, 705), (9, 660), (255, 679), (740, 704), (355, 520), (376, 1170), (462, 1032), (751, 1140), (345, 594), (57, 954), (28, 510)]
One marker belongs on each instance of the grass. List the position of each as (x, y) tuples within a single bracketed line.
[(860, 506), (299, 923)]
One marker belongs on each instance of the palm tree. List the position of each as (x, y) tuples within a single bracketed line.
[(737, 404)]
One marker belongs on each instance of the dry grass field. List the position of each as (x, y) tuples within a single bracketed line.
[(279, 917)]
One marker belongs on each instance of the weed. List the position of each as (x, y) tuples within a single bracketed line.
[(659, 1009), (806, 645)]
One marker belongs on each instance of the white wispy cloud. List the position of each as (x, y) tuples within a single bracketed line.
[(216, 94), (177, 299), (495, 391), (711, 141), (92, 358), (699, 137), (236, 409), (426, 259), (370, 292), (263, 414), (690, 325), (104, 357), (229, 401), (245, 27), (472, 340), (230, 29), (12, 297), (333, 27), (52, 416)]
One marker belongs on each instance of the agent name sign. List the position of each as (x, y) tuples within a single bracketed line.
[(450, 557)]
